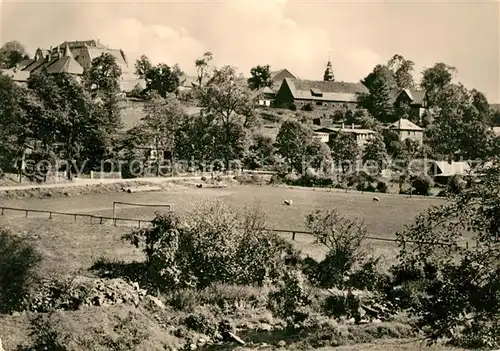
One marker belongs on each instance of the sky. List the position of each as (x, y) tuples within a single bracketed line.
[(297, 35)]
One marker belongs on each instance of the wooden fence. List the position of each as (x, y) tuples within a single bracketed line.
[(95, 219)]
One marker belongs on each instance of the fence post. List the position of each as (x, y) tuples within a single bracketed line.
[(114, 222), (139, 224), (50, 215), (26, 213), (466, 244), (293, 235), (100, 220), (75, 217), (2, 211)]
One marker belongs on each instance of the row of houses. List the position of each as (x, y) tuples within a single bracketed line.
[(404, 128)]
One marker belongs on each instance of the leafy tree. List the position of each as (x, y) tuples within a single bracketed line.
[(292, 141), (375, 152), (143, 66), (203, 68), (260, 151), (319, 156), (434, 79), (381, 85), (460, 288), (344, 150), (195, 139), (162, 119), (229, 102), (103, 82), (11, 53), (402, 70), (260, 77), (459, 127), (163, 79)]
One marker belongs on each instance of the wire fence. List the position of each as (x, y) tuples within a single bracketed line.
[(142, 223)]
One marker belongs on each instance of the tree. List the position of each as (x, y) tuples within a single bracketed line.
[(459, 297), (292, 142), (459, 128), (344, 150), (319, 156), (435, 79), (261, 151), (143, 66), (375, 153), (229, 102), (103, 82), (203, 68), (402, 70), (381, 85), (163, 79), (260, 77), (162, 119), (11, 53)]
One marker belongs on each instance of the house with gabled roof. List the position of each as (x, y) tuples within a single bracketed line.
[(278, 77), (328, 94), (412, 98), (406, 129)]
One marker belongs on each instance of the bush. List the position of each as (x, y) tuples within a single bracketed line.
[(343, 238), (308, 107), (456, 184), (292, 107), (213, 243), (18, 262), (382, 186), (423, 185)]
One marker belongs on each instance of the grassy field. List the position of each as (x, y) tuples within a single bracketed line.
[(382, 219)]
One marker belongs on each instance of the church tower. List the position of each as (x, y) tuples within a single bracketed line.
[(328, 76)]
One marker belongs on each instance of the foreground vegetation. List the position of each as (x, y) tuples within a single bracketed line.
[(210, 276)]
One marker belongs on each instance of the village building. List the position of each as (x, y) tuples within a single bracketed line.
[(19, 77), (407, 130), (442, 171), (413, 99), (75, 57), (362, 136)]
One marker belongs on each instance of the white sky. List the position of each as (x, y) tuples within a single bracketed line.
[(285, 34)]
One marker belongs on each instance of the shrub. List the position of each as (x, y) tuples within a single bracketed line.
[(423, 185), (292, 107), (213, 243), (382, 186), (292, 178), (343, 238), (308, 107), (18, 262), (456, 184)]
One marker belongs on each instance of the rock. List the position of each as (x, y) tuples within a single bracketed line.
[(236, 338), (156, 301), (193, 347), (15, 314), (282, 343), (1, 347), (265, 327)]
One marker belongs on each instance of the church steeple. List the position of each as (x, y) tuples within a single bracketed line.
[(328, 76)]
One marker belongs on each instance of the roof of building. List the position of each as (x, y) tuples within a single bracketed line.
[(344, 130), (445, 168), (417, 96), (325, 91), (65, 64), (83, 43), (188, 81), (495, 107), (129, 84), (404, 124), (119, 55)]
